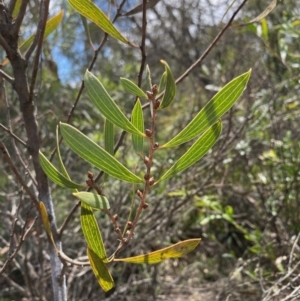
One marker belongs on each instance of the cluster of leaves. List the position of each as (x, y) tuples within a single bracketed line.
[(205, 124)]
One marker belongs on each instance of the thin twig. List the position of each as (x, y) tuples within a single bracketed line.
[(5, 46), (17, 174), (13, 135), (40, 37), (143, 43), (64, 258), (22, 239), (7, 77), (210, 47), (67, 220), (11, 240), (16, 286), (292, 252), (116, 226)]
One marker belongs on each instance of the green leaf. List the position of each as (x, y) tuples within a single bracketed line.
[(16, 8), (132, 88), (94, 200), (100, 270), (162, 82), (109, 137), (91, 231), (170, 90), (174, 251), (62, 166), (89, 10), (137, 120), (87, 30), (201, 146), (104, 103), (148, 77), (50, 27), (54, 175), (96, 155), (212, 111)]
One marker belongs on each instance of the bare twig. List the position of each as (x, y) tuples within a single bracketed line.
[(24, 234), (7, 77), (17, 174), (68, 219), (13, 135), (44, 8), (116, 226), (291, 257), (5, 46), (143, 43), (210, 47), (9, 130), (16, 286), (64, 258)]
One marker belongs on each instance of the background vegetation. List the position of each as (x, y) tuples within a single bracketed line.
[(242, 199)]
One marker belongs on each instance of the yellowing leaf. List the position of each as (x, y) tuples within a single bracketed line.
[(46, 222), (89, 10), (100, 270), (91, 231), (174, 251)]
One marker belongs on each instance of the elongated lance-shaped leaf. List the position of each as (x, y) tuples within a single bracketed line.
[(162, 82), (149, 83), (201, 146), (174, 251), (212, 111), (16, 8), (170, 90), (265, 13), (131, 87), (89, 10), (87, 30), (94, 200), (104, 103), (148, 77), (61, 164), (137, 119), (96, 155), (51, 25), (109, 137), (91, 231), (100, 270), (46, 223), (54, 175)]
